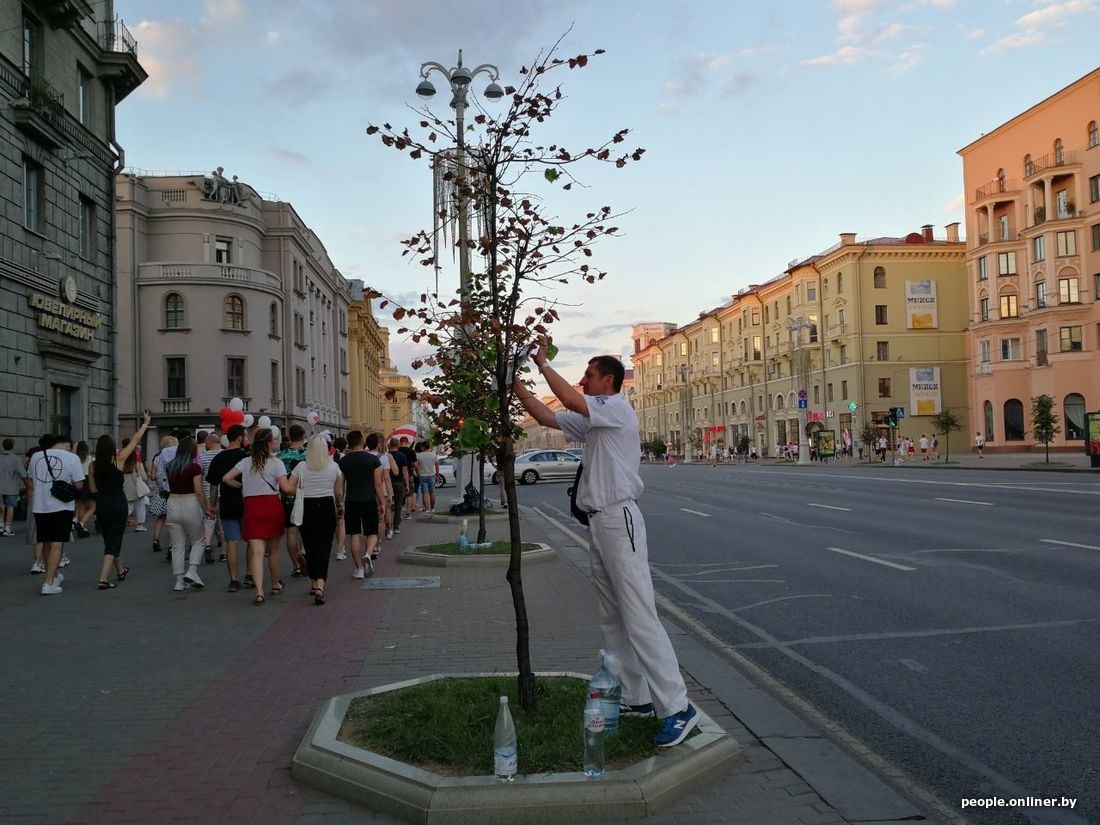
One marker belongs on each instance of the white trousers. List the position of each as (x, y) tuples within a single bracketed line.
[(628, 613), (184, 525), (136, 509)]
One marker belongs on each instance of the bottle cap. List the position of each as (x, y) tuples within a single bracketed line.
[(594, 695), (504, 700)]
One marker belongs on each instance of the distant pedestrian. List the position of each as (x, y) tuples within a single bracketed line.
[(428, 468), (880, 448), (187, 506), (935, 446), (979, 444), (365, 486), (12, 480), (227, 501), (713, 455), (321, 485), (53, 516), (923, 447)]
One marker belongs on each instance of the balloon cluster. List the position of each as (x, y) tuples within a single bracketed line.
[(234, 414)]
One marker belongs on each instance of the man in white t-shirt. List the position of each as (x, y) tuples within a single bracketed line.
[(608, 490), (53, 517)]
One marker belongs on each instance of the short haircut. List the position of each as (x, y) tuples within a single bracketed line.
[(234, 432), (393, 443), (9, 443), (200, 436), (47, 440), (296, 432), (355, 438), (373, 441), (610, 365), (339, 443)]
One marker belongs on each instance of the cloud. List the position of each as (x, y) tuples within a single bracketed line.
[(273, 37), (289, 155), (693, 74), (887, 32), (607, 329), (737, 83), (909, 58), (167, 49), (1053, 14), (845, 55), (956, 204), (301, 85), (223, 12), (764, 49), (972, 34), (1021, 40)]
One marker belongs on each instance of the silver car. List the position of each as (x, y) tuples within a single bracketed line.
[(446, 474), (544, 465)]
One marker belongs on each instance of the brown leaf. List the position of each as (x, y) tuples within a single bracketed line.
[(415, 154), (371, 130)]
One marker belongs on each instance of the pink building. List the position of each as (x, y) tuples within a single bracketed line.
[(1033, 259)]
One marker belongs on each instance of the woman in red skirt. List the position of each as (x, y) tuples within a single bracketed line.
[(260, 477)]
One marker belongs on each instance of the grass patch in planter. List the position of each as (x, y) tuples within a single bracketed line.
[(498, 548), (446, 726)]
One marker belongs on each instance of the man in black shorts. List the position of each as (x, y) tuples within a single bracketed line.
[(364, 499), (53, 517), (414, 478)]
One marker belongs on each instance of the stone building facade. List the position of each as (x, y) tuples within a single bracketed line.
[(397, 403), (225, 292), (367, 356), (64, 67)]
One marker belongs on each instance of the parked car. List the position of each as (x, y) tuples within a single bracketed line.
[(577, 451), (446, 474), (542, 465)]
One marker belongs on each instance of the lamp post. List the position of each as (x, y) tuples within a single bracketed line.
[(797, 323), (460, 77)]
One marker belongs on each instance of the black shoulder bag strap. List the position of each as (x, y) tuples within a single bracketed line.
[(577, 513)]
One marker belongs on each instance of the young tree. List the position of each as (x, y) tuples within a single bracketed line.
[(868, 435), (1044, 422), (946, 422), (657, 447), (521, 250)]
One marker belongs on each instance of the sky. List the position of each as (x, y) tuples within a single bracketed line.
[(769, 129)]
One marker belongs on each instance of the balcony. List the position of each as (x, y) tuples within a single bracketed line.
[(997, 190), (174, 406), (1053, 160), (228, 398), (40, 111), (1009, 237), (985, 368), (209, 273), (118, 58), (837, 331), (63, 13)]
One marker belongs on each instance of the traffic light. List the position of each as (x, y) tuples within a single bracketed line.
[(892, 421)]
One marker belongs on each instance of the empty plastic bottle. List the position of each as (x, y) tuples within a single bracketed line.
[(594, 732), (610, 690), (505, 757), (463, 541)]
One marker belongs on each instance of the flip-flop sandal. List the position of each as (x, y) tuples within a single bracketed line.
[(319, 597), (234, 586), (277, 588), (122, 576), (104, 585), (259, 600)]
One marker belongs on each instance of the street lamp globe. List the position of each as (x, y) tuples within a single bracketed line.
[(461, 76), (494, 92), (425, 88)]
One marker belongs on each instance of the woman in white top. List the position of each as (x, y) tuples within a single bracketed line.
[(322, 487), (260, 477)]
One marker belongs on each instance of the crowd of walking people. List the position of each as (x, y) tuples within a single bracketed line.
[(240, 488)]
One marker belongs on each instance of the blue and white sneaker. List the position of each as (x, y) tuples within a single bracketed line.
[(636, 710), (676, 728)]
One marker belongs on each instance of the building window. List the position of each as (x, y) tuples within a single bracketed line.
[(1006, 263), (882, 350), (983, 269), (273, 320), (1059, 152), (1040, 294), (1071, 339), (987, 415), (1008, 306), (880, 314), (1041, 341), (275, 381), (1096, 237), (829, 392), (32, 195), (1073, 408), (1067, 291), (1010, 349), (714, 360), (843, 390), (1039, 248), (234, 377), (817, 394), (985, 352), (756, 348), (1029, 166), (1094, 135), (884, 388), (880, 278), (983, 309), (1067, 243), (32, 45), (87, 228), (84, 96), (1014, 420), (174, 317), (788, 304), (1003, 227), (299, 386), (344, 403), (756, 317), (1094, 188), (223, 250), (683, 348), (343, 360), (714, 335), (234, 312), (175, 369), (844, 353), (299, 330), (840, 283)]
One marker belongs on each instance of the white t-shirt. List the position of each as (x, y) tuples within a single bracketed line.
[(427, 461), (924, 442), (316, 483), (64, 466), (612, 451), (260, 484)]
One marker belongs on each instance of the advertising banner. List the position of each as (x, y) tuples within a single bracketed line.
[(924, 391), (920, 305), (1092, 442), (826, 444)]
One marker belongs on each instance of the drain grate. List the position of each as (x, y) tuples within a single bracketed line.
[(400, 583)]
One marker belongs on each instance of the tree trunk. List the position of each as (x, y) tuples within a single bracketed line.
[(506, 470), (481, 497)]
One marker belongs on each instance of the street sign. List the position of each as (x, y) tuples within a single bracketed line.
[(852, 406), (801, 395), (901, 412), (803, 404), (830, 414)]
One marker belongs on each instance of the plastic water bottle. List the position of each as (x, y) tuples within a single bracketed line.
[(594, 730), (463, 541), (607, 686), (505, 757)]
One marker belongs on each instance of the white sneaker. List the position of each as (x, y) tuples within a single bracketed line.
[(192, 576), (58, 578), (341, 555), (358, 574), (395, 530), (65, 561), (389, 534), (141, 528), (50, 589), (181, 584), (38, 567)]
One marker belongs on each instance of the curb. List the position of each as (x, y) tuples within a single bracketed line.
[(414, 555)]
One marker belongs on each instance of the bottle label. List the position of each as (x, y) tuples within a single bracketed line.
[(505, 761), (593, 723)]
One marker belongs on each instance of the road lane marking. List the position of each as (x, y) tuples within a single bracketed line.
[(966, 501), (871, 559), (1070, 544), (695, 512), (828, 507)]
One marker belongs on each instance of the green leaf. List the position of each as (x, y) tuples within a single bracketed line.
[(551, 352), (492, 403), (551, 175)]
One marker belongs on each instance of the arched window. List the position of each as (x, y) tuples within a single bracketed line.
[(234, 312), (744, 407), (1059, 152), (790, 401), (274, 319), (1000, 180), (779, 402), (880, 278), (1094, 135), (1014, 420), (1073, 408), (987, 410), (1029, 166), (174, 317)]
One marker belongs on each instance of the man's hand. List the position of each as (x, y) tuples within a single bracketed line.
[(541, 353)]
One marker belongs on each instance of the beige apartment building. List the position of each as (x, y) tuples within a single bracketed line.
[(367, 355), (862, 327), (1033, 259), (397, 403), (224, 292)]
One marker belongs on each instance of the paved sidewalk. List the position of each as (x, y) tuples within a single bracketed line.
[(141, 705)]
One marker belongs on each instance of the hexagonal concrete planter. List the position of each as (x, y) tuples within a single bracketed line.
[(395, 788), (415, 555)]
